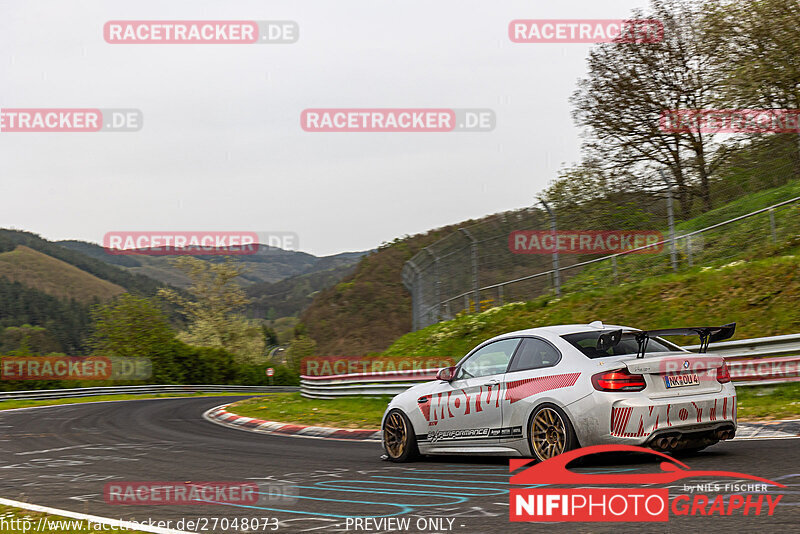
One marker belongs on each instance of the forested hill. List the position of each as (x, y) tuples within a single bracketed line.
[(268, 265), (46, 292)]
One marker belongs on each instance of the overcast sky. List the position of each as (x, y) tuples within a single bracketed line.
[(222, 147)]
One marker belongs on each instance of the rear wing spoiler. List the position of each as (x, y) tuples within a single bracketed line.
[(708, 334)]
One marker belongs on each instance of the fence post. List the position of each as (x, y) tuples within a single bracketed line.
[(673, 257), (553, 228), (474, 251), (416, 305), (772, 225), (437, 284)]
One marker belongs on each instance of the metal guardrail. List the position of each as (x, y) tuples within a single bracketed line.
[(369, 384), (751, 362), (134, 390)]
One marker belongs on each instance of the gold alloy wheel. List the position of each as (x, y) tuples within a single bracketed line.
[(548, 434), (394, 435)]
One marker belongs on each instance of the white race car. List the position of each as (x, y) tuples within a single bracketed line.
[(544, 391)]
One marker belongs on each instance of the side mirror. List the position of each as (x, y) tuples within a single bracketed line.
[(447, 374)]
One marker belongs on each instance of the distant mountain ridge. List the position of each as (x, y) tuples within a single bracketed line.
[(269, 264)]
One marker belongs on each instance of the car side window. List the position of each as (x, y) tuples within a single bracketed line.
[(535, 354), (491, 359)]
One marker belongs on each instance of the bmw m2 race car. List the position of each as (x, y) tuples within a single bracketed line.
[(544, 391)]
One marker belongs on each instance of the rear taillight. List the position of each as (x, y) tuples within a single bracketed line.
[(723, 375), (619, 380)]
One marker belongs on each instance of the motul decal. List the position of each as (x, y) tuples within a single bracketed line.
[(640, 421), (458, 403)]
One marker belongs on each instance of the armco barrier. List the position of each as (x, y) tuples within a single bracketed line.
[(134, 390), (759, 361)]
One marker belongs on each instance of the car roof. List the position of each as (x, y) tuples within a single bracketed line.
[(564, 329)]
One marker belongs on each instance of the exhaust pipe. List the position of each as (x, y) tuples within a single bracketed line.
[(662, 443), (725, 434), (673, 443)]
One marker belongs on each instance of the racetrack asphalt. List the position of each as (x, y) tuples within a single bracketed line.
[(62, 456)]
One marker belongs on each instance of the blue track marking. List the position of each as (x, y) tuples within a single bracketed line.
[(461, 488)]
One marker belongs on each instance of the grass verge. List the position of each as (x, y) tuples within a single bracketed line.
[(766, 403), (17, 520), (353, 412), (10, 404), (755, 403)]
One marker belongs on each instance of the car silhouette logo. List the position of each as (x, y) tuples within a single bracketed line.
[(554, 470)]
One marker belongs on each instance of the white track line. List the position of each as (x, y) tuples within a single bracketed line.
[(129, 525), (104, 401)]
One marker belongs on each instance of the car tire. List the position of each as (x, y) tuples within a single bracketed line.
[(399, 440), (550, 432)]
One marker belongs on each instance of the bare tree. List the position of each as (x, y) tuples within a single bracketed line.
[(756, 51), (630, 86)]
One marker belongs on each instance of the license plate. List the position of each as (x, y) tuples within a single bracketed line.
[(679, 381)]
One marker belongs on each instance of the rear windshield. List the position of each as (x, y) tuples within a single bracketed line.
[(586, 342)]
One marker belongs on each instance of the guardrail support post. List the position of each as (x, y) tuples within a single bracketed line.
[(614, 268), (772, 225), (689, 250)]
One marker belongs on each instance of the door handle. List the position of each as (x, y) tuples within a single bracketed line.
[(422, 400), (492, 383)]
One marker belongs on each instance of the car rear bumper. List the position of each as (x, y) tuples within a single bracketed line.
[(635, 419)]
